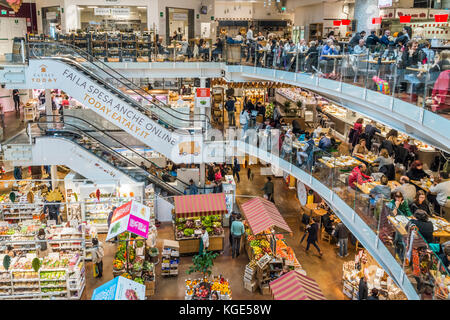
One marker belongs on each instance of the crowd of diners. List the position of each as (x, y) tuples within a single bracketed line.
[(408, 62)]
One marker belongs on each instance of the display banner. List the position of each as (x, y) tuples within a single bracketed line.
[(102, 11), (180, 147), (133, 217), (120, 11), (202, 98), (120, 288)]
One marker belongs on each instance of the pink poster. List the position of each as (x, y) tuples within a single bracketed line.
[(138, 226)]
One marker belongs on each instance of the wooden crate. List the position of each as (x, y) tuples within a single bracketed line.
[(192, 246)]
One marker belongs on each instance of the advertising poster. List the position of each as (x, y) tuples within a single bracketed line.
[(120, 288), (133, 217)]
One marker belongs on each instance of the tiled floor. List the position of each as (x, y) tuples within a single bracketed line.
[(326, 270)]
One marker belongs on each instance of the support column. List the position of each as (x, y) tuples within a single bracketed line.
[(48, 104), (202, 174), (54, 176), (365, 10)]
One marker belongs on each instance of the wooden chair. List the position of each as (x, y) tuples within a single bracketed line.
[(325, 236), (358, 246)]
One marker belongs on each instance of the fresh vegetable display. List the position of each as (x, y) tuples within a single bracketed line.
[(186, 228), (201, 289), (127, 275), (188, 232), (139, 280), (118, 264)]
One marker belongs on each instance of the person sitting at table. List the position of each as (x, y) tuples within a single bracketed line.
[(390, 53), (327, 223), (411, 58), (416, 171), (385, 38), (420, 203), (383, 159), (311, 56), (372, 40), (306, 151), (360, 148), (317, 131), (399, 205), (184, 47), (440, 192), (370, 130), (355, 39), (409, 145), (325, 62), (357, 176), (218, 49), (407, 189), (161, 49), (445, 257), (325, 142), (390, 142), (382, 190), (286, 148), (425, 226), (360, 48)]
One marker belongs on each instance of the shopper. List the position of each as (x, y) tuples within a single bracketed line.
[(244, 119), (440, 192), (97, 257), (10, 251), (232, 218), (407, 189), (204, 240), (110, 215), (236, 169), (192, 187), (268, 189), (385, 38), (355, 39), (416, 171), (313, 231), (341, 233), (360, 49), (249, 173), (373, 294), (420, 203), (42, 245), (231, 109), (16, 99), (250, 43), (372, 40), (370, 130), (362, 288), (237, 230), (324, 142), (425, 227)]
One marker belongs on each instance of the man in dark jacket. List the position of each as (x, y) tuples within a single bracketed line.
[(313, 231), (370, 131), (385, 38), (231, 109), (420, 220), (268, 189), (372, 40), (236, 169), (341, 233), (363, 289), (355, 40)]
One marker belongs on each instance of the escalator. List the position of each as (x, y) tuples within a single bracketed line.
[(90, 81), (102, 145)]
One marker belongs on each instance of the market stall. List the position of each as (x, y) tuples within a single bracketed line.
[(216, 288), (193, 212), (364, 264), (134, 260), (295, 286), (265, 247)]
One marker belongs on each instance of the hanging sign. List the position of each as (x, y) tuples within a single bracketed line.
[(120, 11), (405, 19), (133, 217), (337, 23), (102, 11), (415, 13), (346, 22), (203, 98), (376, 20), (441, 17), (179, 16), (50, 15)]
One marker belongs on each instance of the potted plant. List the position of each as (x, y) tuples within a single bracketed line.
[(203, 263), (286, 105), (299, 104)]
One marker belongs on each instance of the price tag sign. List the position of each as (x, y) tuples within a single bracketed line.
[(263, 261)]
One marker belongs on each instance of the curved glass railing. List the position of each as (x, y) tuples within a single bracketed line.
[(331, 169), (101, 72)]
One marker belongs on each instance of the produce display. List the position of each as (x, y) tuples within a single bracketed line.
[(54, 274), (187, 228), (205, 289)]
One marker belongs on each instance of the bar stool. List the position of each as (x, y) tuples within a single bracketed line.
[(358, 246), (325, 236)]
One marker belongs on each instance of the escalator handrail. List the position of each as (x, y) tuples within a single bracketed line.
[(97, 129), (81, 132), (124, 96), (90, 57)]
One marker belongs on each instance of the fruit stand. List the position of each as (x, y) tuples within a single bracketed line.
[(194, 212), (216, 288), (265, 246)]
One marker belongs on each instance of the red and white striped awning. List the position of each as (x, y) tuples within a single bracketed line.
[(295, 286), (262, 214), (200, 205)]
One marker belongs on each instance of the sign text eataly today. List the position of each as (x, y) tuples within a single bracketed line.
[(119, 113)]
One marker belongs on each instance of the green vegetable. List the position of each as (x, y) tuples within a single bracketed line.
[(209, 229), (139, 244), (6, 262), (139, 280), (36, 264), (188, 232)]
